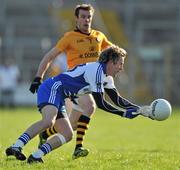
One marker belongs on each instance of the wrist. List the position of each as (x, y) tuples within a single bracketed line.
[(37, 79)]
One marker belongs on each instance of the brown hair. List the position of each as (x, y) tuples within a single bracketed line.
[(112, 53), (87, 7)]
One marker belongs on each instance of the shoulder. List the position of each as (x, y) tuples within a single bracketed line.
[(109, 82), (109, 79), (97, 32), (93, 65), (92, 68), (95, 70), (67, 37), (69, 33)]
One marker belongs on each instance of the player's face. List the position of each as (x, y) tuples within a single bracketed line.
[(83, 21), (114, 69)]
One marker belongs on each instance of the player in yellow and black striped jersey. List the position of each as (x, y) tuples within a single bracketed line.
[(81, 46)]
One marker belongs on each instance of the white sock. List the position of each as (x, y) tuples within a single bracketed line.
[(18, 143), (38, 154)]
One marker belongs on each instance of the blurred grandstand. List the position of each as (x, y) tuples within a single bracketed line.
[(149, 30)]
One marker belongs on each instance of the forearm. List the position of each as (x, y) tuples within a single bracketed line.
[(43, 66), (119, 100), (104, 105), (46, 62)]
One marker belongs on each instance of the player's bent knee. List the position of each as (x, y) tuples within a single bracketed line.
[(90, 110), (74, 124), (47, 123), (68, 136)]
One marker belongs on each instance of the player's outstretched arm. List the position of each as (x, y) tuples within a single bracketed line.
[(118, 100), (104, 105)]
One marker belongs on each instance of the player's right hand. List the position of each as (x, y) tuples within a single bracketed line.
[(35, 85), (145, 111)]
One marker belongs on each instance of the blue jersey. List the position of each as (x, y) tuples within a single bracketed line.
[(81, 80)]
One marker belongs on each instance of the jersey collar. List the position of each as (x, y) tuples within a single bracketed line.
[(77, 30)]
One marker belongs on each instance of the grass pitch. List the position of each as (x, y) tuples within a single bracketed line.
[(115, 143)]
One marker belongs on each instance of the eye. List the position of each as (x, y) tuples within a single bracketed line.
[(82, 16), (89, 17)]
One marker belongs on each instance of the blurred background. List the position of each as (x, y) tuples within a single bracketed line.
[(148, 30)]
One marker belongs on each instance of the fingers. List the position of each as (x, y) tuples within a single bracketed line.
[(35, 85)]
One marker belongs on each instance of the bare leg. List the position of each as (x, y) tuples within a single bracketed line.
[(64, 135), (49, 113)]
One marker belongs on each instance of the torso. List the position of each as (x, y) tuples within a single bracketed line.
[(83, 79), (81, 48)]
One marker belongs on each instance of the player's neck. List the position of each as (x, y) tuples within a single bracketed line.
[(83, 32)]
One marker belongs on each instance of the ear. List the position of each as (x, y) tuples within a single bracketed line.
[(111, 62)]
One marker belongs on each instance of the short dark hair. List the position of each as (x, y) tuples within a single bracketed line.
[(87, 7), (113, 53)]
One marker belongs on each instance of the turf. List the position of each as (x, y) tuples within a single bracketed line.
[(115, 143)]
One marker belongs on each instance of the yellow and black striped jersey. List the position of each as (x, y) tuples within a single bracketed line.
[(82, 48)]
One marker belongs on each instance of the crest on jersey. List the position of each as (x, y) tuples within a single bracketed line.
[(105, 83), (98, 39)]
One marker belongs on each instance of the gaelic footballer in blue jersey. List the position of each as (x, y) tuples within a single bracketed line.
[(83, 79)]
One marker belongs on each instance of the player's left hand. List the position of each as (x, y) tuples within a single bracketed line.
[(131, 113), (35, 85)]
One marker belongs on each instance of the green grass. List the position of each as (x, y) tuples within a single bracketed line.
[(115, 143)]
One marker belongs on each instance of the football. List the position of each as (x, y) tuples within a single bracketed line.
[(161, 109)]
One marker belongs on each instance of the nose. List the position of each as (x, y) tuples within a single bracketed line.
[(87, 20)]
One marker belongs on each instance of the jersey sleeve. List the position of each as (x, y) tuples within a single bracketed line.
[(62, 44), (96, 78), (109, 82), (119, 101), (105, 42)]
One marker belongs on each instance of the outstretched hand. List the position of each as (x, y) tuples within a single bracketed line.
[(145, 111)]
